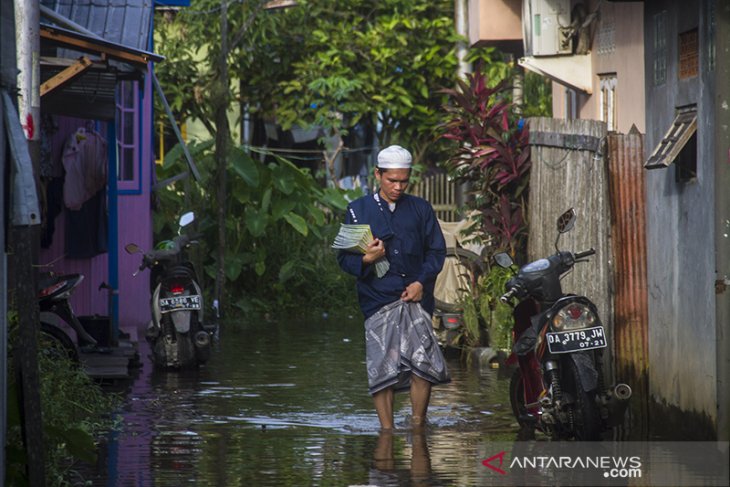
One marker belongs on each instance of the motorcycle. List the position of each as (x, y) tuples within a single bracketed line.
[(179, 336), (558, 387), (55, 309)]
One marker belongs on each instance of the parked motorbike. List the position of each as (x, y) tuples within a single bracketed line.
[(178, 332), (558, 386), (456, 281), (54, 292)]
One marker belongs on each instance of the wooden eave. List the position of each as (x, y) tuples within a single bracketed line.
[(82, 42), (66, 75)]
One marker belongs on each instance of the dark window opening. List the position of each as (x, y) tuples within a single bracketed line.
[(686, 162)]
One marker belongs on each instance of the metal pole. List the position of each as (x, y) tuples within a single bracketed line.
[(461, 21), (28, 41)]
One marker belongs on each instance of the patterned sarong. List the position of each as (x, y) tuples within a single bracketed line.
[(399, 341)]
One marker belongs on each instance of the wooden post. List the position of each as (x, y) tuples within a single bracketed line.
[(24, 233)]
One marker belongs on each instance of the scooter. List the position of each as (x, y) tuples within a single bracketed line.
[(458, 278), (54, 292), (178, 333), (558, 387)]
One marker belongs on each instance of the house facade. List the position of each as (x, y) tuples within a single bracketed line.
[(100, 119), (656, 66), (687, 211)]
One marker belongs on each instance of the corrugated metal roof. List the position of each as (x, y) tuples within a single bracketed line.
[(125, 22)]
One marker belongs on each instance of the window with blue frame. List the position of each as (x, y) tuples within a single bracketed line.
[(127, 122)]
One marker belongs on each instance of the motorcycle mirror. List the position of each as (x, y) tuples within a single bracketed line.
[(566, 221), (565, 224), (503, 260), (187, 218), (132, 248)]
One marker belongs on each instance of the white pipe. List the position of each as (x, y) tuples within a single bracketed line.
[(28, 46), (461, 21)]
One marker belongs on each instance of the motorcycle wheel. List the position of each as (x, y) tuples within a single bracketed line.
[(186, 351), (586, 419), (55, 344), (517, 399), (474, 267)]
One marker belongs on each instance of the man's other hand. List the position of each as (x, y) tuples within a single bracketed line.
[(414, 292)]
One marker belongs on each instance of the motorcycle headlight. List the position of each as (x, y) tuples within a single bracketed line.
[(574, 316)]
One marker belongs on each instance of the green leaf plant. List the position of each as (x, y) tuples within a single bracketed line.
[(281, 223)]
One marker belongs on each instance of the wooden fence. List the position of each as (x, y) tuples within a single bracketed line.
[(441, 193), (569, 170)]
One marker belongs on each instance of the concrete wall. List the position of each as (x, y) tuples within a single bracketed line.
[(680, 241), (722, 218), (618, 47), (495, 20)]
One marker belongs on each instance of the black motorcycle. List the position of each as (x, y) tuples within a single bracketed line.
[(178, 332), (57, 316), (559, 339)]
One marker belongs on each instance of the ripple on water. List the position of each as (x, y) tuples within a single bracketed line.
[(297, 412)]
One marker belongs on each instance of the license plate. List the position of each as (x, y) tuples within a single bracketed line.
[(573, 341), (179, 303)]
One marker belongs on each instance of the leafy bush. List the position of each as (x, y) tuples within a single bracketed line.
[(279, 227), (493, 156), (74, 409)]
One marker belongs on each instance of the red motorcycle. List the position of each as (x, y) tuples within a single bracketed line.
[(559, 338)]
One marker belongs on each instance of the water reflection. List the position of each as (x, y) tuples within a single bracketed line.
[(287, 404), (386, 472)]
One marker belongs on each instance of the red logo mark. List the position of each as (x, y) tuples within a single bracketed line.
[(487, 463), (29, 127)]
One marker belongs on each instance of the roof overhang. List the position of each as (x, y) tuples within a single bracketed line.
[(83, 42), (80, 80), (573, 71)]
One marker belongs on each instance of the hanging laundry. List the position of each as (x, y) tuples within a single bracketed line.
[(85, 161)]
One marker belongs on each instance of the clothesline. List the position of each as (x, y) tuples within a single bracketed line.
[(302, 151)]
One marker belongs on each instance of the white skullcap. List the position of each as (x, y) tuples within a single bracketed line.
[(394, 157)]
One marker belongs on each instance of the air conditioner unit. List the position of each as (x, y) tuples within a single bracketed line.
[(546, 26)]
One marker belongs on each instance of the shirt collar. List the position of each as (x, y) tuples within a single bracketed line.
[(391, 206)]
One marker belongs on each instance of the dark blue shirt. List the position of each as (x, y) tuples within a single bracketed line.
[(414, 246)]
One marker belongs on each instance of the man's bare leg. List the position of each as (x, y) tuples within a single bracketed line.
[(384, 406), (420, 395)]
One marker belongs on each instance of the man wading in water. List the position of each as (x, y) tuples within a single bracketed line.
[(402, 351)]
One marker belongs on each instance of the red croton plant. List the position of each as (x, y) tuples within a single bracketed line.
[(493, 156)]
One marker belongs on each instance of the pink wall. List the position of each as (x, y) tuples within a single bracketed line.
[(135, 225)]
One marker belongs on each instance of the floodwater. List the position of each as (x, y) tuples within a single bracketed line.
[(285, 404)]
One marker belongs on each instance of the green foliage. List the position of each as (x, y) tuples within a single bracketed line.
[(74, 411), (492, 155), (538, 96), (498, 316), (279, 228), (382, 61), (322, 62)]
